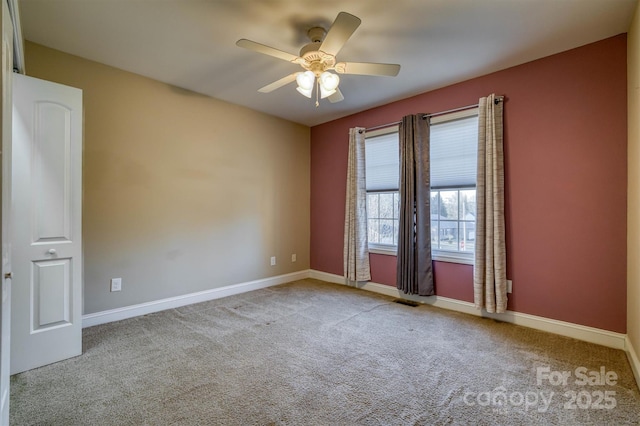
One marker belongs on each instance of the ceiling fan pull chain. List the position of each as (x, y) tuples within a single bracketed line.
[(317, 91)]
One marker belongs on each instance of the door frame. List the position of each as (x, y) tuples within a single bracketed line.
[(5, 209), (16, 55)]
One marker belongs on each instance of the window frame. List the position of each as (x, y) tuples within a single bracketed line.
[(440, 255)]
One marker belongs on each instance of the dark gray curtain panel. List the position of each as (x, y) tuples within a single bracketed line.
[(415, 269)]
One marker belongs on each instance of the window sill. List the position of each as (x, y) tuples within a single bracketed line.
[(453, 257), (438, 255), (386, 250)]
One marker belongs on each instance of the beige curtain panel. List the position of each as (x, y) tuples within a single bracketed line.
[(490, 268), (356, 244)]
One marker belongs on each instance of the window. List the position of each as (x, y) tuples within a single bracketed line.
[(382, 217), (453, 156), (453, 220), (383, 199)]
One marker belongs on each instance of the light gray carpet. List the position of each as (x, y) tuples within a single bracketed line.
[(314, 353)]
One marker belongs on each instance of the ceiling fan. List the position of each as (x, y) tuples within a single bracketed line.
[(319, 57)]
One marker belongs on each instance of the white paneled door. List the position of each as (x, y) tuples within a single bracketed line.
[(46, 314)]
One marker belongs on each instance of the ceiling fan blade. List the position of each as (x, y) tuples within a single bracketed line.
[(266, 50), (278, 84), (367, 68), (340, 31), (336, 97)]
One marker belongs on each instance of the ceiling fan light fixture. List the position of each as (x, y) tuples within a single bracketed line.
[(306, 80), (329, 81), (305, 92), (325, 93)]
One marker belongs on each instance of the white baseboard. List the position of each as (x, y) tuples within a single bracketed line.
[(326, 276), (632, 355), (118, 314), (576, 331)]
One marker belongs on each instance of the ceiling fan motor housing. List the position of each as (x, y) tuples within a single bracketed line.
[(314, 59), (316, 34), (310, 51)]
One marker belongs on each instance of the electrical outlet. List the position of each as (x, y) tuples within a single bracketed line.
[(293, 257), (116, 284), (509, 286), (273, 261)]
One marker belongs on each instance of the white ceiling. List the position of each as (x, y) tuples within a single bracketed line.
[(191, 43)]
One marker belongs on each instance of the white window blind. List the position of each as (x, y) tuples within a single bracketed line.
[(382, 162), (454, 152)]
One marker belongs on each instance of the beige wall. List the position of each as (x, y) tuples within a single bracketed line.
[(182, 192), (633, 211)]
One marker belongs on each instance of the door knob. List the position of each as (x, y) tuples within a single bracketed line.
[(52, 251)]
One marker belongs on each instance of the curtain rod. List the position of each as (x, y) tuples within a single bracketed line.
[(497, 100)]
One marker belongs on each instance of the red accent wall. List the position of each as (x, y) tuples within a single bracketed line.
[(565, 126)]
